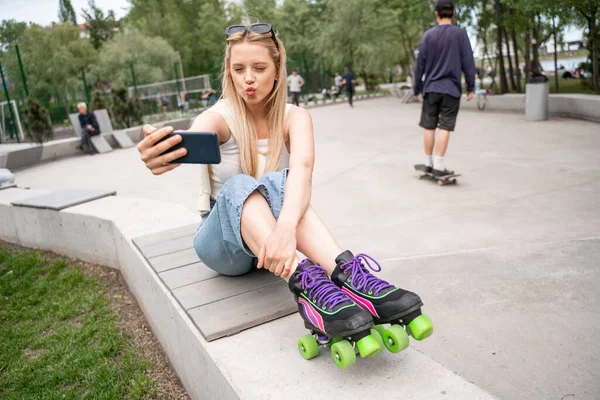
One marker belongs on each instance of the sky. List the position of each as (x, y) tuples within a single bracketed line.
[(44, 12)]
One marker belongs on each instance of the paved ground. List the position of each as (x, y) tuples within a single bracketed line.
[(507, 261)]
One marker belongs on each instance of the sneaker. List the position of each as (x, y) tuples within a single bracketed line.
[(441, 174), (423, 168)]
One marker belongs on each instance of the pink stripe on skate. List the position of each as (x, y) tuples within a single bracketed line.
[(363, 303), (314, 317)]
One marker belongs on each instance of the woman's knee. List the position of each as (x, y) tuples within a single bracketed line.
[(219, 261)]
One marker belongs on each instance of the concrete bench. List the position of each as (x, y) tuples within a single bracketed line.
[(219, 305), (64, 198), (98, 141)]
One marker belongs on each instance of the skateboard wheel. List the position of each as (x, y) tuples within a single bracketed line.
[(421, 327), (441, 183), (395, 338), (343, 354), (308, 347)]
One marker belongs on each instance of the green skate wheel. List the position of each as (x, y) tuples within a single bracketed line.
[(395, 338), (379, 339), (308, 346), (343, 354), (334, 340), (421, 327), (379, 328), (368, 346)]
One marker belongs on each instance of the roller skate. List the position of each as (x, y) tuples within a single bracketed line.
[(387, 303), (333, 319)]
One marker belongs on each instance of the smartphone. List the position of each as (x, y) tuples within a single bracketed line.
[(202, 147)]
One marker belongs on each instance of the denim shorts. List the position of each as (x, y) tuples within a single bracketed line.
[(219, 242)]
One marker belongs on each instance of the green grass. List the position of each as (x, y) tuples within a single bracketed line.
[(58, 338), (565, 86)]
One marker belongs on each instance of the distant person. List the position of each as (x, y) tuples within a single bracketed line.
[(338, 84), (295, 83), (348, 80), (186, 102), (444, 53), (89, 128), (164, 102)]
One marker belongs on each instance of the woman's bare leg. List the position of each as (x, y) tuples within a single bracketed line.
[(313, 238)]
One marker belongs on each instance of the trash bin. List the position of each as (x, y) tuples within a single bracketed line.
[(536, 98)]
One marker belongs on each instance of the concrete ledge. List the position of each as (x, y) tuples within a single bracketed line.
[(22, 158), (58, 149), (579, 106), (258, 363)]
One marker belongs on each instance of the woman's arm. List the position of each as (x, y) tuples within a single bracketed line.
[(210, 121), (152, 153), (302, 159)]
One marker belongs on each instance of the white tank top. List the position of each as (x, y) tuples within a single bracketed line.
[(230, 153)]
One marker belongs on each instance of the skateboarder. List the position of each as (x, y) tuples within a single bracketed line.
[(444, 53), (255, 206)]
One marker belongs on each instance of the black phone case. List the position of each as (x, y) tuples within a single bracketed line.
[(202, 147)]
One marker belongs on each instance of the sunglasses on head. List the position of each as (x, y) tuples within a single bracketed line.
[(256, 28)]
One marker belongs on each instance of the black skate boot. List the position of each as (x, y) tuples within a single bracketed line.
[(333, 319), (387, 303)]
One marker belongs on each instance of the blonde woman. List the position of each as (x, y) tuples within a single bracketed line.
[(260, 212)]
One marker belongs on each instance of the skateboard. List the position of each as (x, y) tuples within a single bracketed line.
[(441, 180)]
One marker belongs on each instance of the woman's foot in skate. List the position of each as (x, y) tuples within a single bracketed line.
[(332, 317), (387, 303)]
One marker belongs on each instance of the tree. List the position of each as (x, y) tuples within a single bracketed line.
[(126, 110), (37, 122), (152, 58), (98, 101), (11, 32), (589, 10), (176, 21), (101, 28), (52, 59), (365, 50), (66, 12)]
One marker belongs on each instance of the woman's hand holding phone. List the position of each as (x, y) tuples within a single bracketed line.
[(152, 152)]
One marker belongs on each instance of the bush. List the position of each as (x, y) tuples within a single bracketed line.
[(127, 111), (98, 101), (37, 122)]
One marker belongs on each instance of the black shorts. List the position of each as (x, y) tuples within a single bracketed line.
[(439, 110)]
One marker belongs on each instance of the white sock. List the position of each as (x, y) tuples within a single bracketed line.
[(438, 163), (428, 161)]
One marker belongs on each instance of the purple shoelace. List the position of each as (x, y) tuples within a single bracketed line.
[(318, 286), (360, 278)]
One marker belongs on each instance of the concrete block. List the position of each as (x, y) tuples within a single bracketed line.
[(23, 158), (3, 157), (64, 198), (123, 140), (100, 144), (135, 134), (104, 121), (57, 149)]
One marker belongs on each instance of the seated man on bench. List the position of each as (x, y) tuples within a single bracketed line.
[(89, 127)]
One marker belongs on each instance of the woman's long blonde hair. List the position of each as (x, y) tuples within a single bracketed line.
[(245, 130)]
